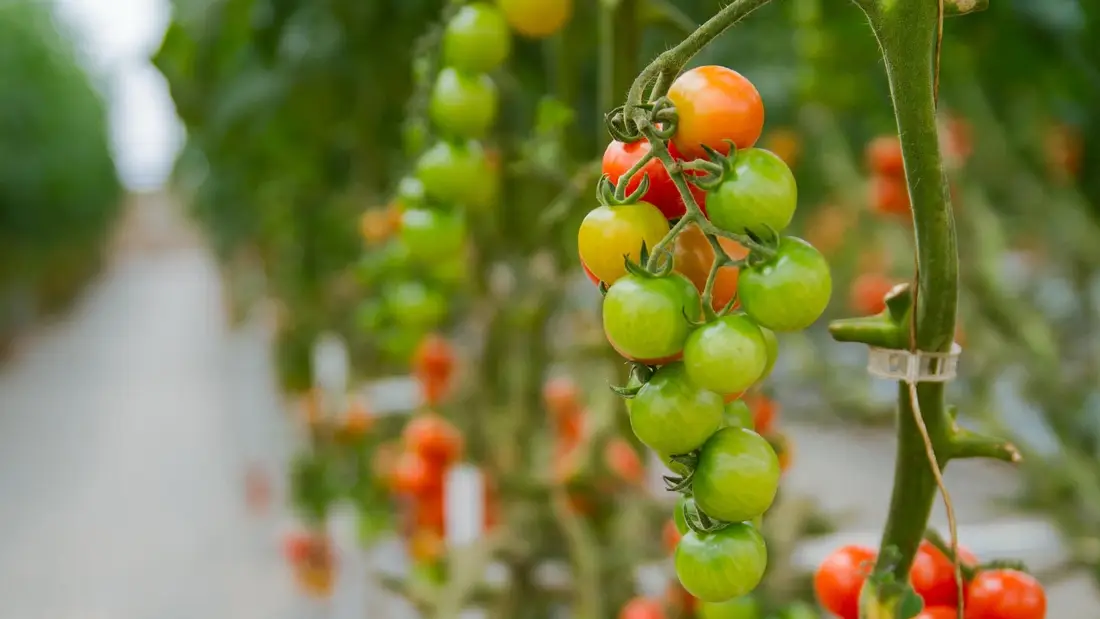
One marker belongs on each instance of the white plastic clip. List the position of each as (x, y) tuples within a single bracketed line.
[(918, 367)]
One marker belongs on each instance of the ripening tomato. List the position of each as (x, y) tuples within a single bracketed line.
[(725, 564), (414, 475), (589, 274), (670, 535), (933, 575), (376, 225), (435, 358), (890, 195), (428, 510), (477, 39), (462, 105), (561, 395), (759, 195), (431, 235), (456, 174), (647, 319), (764, 411), (671, 415), (737, 475), (693, 257), (621, 459), (426, 546), (642, 608), (610, 232), (536, 19), (619, 157), (434, 438), (570, 427), (790, 291), (296, 547), (884, 156), (1005, 594), (869, 292), (727, 355), (840, 577), (715, 104), (938, 612)]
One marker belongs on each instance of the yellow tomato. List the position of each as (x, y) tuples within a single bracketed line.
[(610, 232), (536, 19)]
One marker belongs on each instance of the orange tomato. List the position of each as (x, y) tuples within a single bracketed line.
[(570, 428), (642, 608), (415, 475), (868, 293), (428, 512), (715, 104), (693, 257), (884, 157), (889, 195), (426, 546), (296, 546), (561, 396), (621, 459), (433, 438), (377, 225), (764, 411)]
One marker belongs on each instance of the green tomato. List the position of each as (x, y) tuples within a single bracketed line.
[(671, 415), (759, 194), (412, 304), (799, 610), (463, 106), (788, 292), (744, 607), (477, 39), (738, 415), (451, 273), (771, 343), (646, 319), (719, 566), (726, 356), (737, 475), (432, 235), (456, 174), (683, 504)]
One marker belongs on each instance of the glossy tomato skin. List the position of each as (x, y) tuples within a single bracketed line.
[(715, 104), (719, 566), (1005, 594), (759, 194), (727, 355), (463, 105), (738, 415), (790, 291), (434, 438), (938, 612), (693, 257), (933, 575), (431, 234), (454, 173), (610, 232), (744, 607), (536, 19), (840, 577), (646, 318), (642, 608), (671, 415), (619, 157), (737, 475), (678, 518), (477, 39)]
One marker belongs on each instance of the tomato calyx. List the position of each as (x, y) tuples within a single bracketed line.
[(682, 483), (885, 594), (639, 375), (716, 170)]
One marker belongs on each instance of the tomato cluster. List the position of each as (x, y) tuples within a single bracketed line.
[(988, 593), (311, 556), (695, 306)]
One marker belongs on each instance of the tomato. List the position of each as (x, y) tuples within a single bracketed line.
[(727, 355), (589, 274), (619, 157), (890, 195), (933, 575), (738, 415), (462, 105), (610, 232), (642, 608), (883, 156), (737, 475), (790, 291), (432, 235), (414, 475), (426, 546), (570, 427), (760, 193), (1005, 594), (671, 415), (561, 395), (477, 39), (413, 304), (456, 174), (938, 612), (435, 357), (744, 607), (869, 291), (433, 438), (536, 19), (764, 410), (646, 319), (670, 535), (693, 257), (725, 564), (678, 518), (771, 346), (315, 581), (429, 513), (840, 577), (296, 547), (715, 104), (621, 459)]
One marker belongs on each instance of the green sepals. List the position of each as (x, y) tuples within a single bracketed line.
[(639, 375), (678, 483), (664, 267), (698, 521), (620, 127), (718, 168), (884, 592), (605, 191), (689, 460), (1003, 564)]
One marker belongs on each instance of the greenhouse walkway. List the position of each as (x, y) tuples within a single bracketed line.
[(125, 431)]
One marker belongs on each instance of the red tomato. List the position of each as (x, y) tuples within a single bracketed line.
[(561, 396), (670, 536), (570, 428), (434, 438), (764, 411), (868, 296), (429, 512), (296, 546), (415, 475), (938, 612), (840, 578), (642, 608), (889, 195), (1005, 594), (619, 157), (433, 365), (884, 156), (621, 459), (933, 575), (693, 257), (715, 104)]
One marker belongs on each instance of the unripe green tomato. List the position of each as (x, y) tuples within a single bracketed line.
[(462, 105), (737, 475), (456, 174), (744, 607), (721, 565), (771, 343), (738, 415), (430, 234), (789, 291), (760, 193), (727, 355), (477, 39), (415, 305)]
